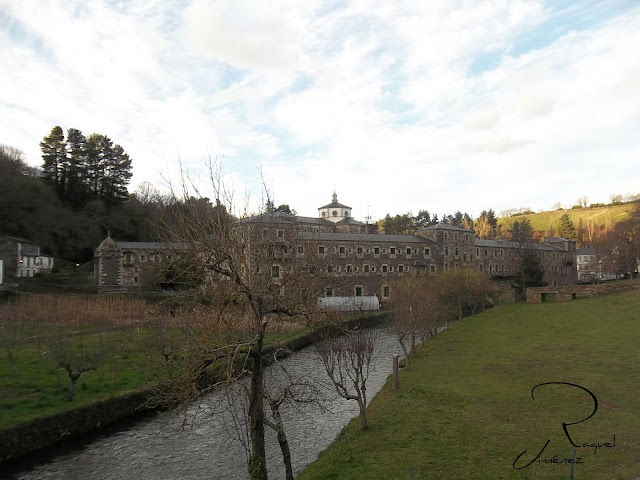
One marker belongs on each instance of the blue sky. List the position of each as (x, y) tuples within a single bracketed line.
[(397, 106)]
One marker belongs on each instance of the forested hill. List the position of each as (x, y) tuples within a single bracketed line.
[(31, 209)]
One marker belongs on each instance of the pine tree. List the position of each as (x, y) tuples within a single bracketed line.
[(566, 228), (54, 154)]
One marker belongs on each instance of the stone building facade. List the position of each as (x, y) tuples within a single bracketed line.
[(365, 262), (124, 266)]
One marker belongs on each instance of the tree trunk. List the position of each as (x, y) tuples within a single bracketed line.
[(282, 440), (74, 381), (413, 345), (258, 458), (363, 413)]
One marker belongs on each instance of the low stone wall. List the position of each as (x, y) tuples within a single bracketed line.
[(568, 293), (49, 430)]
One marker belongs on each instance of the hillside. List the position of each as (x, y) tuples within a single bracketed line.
[(602, 217)]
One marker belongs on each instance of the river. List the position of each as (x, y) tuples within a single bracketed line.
[(207, 446)]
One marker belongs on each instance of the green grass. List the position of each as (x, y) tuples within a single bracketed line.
[(132, 359), (464, 410), (600, 216)]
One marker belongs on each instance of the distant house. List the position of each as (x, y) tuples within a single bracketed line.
[(22, 258)]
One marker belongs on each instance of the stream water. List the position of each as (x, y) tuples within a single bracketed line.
[(207, 446)]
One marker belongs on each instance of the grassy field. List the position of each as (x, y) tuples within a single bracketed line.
[(465, 409), (601, 216)]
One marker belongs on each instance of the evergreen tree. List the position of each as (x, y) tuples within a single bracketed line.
[(54, 154), (77, 190), (566, 228), (530, 273)]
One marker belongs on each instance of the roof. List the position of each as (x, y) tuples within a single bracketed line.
[(483, 242), (148, 245), (370, 238), (281, 217), (586, 251), (349, 221), (334, 205), (446, 226)]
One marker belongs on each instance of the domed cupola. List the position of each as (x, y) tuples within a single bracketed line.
[(334, 211)]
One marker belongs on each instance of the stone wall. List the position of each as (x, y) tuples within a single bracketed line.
[(567, 293)]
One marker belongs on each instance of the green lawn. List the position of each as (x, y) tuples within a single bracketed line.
[(465, 411)]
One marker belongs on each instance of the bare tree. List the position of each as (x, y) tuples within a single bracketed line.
[(77, 355), (416, 310), (347, 360), (258, 273), (281, 388), (619, 249)]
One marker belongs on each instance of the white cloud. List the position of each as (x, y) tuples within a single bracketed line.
[(398, 106)]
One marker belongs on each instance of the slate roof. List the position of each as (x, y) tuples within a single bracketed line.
[(148, 245), (483, 242), (446, 226), (334, 205), (371, 238), (586, 251)]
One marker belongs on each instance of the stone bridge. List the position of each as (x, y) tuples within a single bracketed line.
[(568, 293)]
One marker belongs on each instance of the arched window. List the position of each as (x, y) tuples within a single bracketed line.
[(334, 213), (324, 214)]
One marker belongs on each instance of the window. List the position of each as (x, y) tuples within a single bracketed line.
[(386, 291), (143, 258), (477, 252), (329, 292), (501, 252), (275, 271), (455, 237), (342, 251), (457, 253), (358, 290), (433, 269), (300, 249), (365, 268), (400, 268), (427, 251), (376, 250), (385, 268), (359, 251), (349, 268), (334, 213), (392, 250), (446, 250), (485, 252), (320, 249), (280, 233), (445, 236), (127, 259), (329, 269), (464, 257), (264, 232)]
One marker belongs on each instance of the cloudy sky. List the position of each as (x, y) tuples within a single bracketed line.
[(397, 106)]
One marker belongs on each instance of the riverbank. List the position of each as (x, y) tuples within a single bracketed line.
[(73, 423), (465, 409)]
